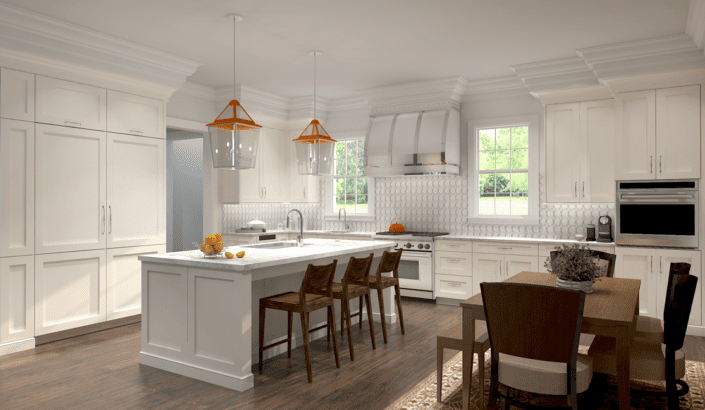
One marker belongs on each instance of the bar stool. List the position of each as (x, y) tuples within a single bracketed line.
[(389, 263), (355, 284), (315, 293)]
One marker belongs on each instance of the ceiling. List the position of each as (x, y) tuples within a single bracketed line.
[(366, 43)]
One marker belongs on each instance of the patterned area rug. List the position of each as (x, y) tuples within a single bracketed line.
[(604, 397)]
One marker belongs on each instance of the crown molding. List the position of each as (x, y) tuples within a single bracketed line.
[(555, 74), (658, 80), (32, 33), (656, 55), (444, 92), (575, 94), (491, 85), (203, 92), (695, 27)]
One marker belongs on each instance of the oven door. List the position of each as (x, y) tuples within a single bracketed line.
[(416, 271), (658, 220)]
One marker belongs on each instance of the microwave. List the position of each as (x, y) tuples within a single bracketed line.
[(663, 213)]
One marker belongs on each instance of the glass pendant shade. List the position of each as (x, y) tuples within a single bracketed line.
[(234, 139), (315, 151)]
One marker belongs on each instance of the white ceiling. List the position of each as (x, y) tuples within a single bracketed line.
[(366, 43)]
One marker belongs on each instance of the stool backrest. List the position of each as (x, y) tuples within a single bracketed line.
[(603, 259), (533, 321), (358, 270), (389, 263), (319, 279), (679, 301)]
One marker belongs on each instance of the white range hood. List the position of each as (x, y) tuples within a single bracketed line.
[(413, 143)]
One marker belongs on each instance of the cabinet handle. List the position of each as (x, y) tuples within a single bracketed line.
[(505, 248), (304, 192), (103, 219), (506, 272), (454, 284), (110, 219), (71, 122), (583, 189), (453, 260), (660, 168), (136, 132), (576, 189), (651, 164), (652, 264), (265, 192), (660, 264)]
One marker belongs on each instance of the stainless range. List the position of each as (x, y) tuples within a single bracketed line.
[(416, 266)]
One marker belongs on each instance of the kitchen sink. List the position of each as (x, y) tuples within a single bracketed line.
[(273, 245)]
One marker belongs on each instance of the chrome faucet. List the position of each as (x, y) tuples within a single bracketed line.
[(300, 238), (346, 217)]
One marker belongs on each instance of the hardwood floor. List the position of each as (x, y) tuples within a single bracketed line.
[(101, 371)]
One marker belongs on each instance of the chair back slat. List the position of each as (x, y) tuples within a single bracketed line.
[(318, 279), (358, 270), (389, 263), (533, 321), (679, 301), (603, 259)]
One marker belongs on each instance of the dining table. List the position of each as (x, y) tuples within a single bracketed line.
[(610, 310)]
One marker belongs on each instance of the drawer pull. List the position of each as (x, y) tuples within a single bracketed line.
[(453, 260), (71, 122), (454, 284), (504, 248), (136, 132)]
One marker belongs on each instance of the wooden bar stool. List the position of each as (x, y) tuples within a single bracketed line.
[(389, 263), (355, 284), (315, 293)]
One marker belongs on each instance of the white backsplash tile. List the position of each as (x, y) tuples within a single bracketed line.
[(428, 203)]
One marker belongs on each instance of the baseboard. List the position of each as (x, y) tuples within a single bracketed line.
[(448, 301), (18, 346), (195, 372), (83, 330), (695, 331)]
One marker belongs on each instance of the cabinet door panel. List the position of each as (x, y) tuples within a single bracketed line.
[(16, 298), (678, 132), (562, 158), (273, 164), (16, 95), (132, 114), (515, 264), (16, 188), (597, 144), (635, 135), (124, 280), (136, 191), (486, 268), (666, 257), (70, 177), (70, 290), (70, 104), (640, 264)]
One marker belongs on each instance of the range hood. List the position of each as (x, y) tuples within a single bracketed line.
[(413, 143)]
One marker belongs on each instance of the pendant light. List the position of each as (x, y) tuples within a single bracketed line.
[(234, 135), (315, 149)]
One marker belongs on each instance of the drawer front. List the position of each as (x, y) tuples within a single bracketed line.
[(506, 248), (453, 287), (454, 246), (545, 250), (453, 263)]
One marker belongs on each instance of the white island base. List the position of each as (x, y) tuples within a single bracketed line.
[(200, 316)]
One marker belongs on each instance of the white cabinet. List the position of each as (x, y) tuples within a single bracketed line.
[(657, 134), (545, 252), (16, 188), (69, 290), (16, 298), (124, 280), (453, 287), (264, 183), (132, 114), (506, 248), (70, 180), (453, 263), (136, 194), (302, 188), (652, 267), (486, 268), (514, 264), (579, 152), (70, 104), (678, 132), (16, 95)]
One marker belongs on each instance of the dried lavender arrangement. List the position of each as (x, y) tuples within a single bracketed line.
[(574, 263)]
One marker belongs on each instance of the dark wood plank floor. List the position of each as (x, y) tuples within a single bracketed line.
[(102, 371)]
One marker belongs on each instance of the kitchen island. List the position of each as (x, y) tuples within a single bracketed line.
[(197, 312)]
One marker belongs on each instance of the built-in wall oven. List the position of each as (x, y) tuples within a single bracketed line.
[(661, 213)]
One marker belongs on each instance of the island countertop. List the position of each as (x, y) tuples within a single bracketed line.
[(257, 258)]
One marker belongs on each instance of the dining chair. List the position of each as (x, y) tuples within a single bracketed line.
[(389, 263), (315, 293), (650, 328), (603, 259), (355, 284), (534, 332), (651, 360), (452, 339)]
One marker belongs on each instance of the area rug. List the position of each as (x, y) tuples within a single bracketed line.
[(423, 396)]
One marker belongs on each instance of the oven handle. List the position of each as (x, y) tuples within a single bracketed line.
[(414, 257)]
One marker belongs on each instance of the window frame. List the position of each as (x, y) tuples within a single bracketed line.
[(331, 213), (530, 121)]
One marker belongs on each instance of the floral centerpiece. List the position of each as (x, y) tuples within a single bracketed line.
[(575, 267)]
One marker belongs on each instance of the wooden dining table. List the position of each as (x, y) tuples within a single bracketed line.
[(611, 310)]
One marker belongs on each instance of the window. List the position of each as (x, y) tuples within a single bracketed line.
[(350, 187), (503, 158)]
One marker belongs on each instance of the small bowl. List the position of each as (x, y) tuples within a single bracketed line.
[(579, 237)]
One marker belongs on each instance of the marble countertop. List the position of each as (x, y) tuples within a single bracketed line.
[(306, 232), (257, 258), (546, 241)]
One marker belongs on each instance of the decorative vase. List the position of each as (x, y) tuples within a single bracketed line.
[(585, 286)]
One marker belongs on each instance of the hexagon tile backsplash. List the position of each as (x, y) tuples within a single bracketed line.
[(429, 203)]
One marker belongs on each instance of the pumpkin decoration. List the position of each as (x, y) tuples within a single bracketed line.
[(396, 227)]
